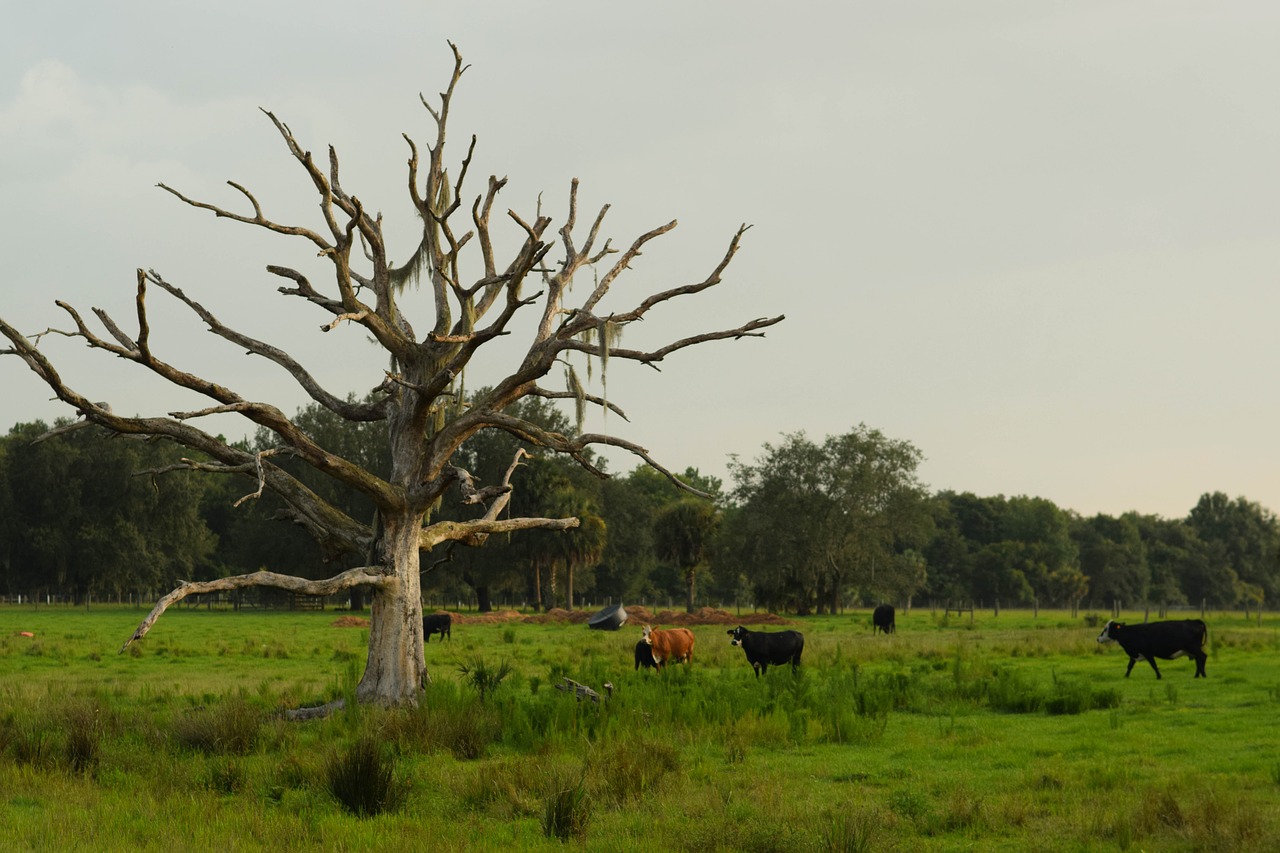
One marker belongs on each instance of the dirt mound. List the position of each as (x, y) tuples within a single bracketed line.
[(702, 616), (491, 618), (350, 622)]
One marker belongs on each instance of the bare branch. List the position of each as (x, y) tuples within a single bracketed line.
[(66, 428), (747, 330), (257, 218), (472, 495), (370, 575), (469, 531), (337, 321), (635, 449), (262, 479), (354, 411), (590, 398)]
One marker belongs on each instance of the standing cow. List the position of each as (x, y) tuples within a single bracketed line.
[(644, 655), (1153, 640), (882, 619), (671, 644), (768, 648), (437, 623)]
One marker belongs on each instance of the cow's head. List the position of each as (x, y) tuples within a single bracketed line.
[(647, 638), (737, 634), (1105, 636)]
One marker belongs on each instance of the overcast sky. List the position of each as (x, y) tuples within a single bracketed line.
[(1038, 240)]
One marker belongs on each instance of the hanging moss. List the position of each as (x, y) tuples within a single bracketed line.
[(579, 396)]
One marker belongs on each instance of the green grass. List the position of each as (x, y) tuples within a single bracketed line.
[(1007, 733)]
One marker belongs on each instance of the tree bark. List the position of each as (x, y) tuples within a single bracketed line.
[(396, 670)]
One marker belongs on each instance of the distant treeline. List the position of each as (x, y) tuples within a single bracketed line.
[(805, 527)]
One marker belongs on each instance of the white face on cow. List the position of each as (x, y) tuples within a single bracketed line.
[(736, 636), (648, 629), (1105, 636)]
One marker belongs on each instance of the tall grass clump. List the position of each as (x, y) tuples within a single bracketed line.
[(26, 740), (83, 722), (230, 727), (446, 720), (1010, 692), (362, 778), (567, 811), (848, 833), (1073, 696), (629, 769)]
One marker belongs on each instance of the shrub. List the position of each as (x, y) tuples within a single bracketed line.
[(484, 678)]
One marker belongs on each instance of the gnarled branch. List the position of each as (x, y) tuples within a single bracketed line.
[(370, 575)]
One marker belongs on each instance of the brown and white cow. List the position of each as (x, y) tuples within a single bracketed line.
[(671, 644)]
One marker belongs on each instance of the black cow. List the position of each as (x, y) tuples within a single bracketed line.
[(644, 655), (1166, 640), (882, 619), (437, 623), (763, 649)]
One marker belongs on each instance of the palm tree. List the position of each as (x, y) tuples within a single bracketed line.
[(684, 531)]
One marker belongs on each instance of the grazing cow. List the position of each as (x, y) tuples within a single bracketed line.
[(882, 619), (437, 623), (769, 648), (644, 655), (672, 644), (1166, 640)]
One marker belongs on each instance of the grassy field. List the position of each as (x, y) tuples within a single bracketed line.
[(1013, 732)]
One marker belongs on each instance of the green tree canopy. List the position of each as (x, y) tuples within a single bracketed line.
[(818, 522)]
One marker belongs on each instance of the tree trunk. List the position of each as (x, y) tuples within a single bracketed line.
[(691, 576), (537, 588), (484, 602), (569, 590), (396, 670), (356, 598)]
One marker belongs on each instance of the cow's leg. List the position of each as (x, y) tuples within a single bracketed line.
[(1132, 661), (1200, 659), (1151, 660)]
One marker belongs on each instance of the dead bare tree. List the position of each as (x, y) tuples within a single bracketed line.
[(420, 398)]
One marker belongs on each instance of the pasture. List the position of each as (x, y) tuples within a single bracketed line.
[(1015, 732)]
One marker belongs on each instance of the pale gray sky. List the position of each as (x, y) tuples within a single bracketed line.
[(1038, 240)]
